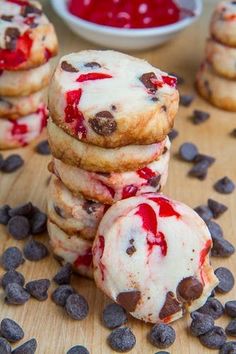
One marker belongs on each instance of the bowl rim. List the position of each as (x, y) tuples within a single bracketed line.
[(60, 8)]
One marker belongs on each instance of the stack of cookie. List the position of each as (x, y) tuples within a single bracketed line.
[(110, 116), (27, 42), (216, 78)]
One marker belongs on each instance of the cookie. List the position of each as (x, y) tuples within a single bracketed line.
[(27, 38), (110, 99), (94, 158), (71, 249), (219, 91), (151, 245), (22, 131), (24, 82), (109, 187), (223, 23), (222, 58), (15, 107), (73, 214)]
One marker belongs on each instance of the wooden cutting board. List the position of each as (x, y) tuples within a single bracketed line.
[(54, 331)]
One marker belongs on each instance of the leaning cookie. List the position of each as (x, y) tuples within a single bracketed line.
[(223, 23), (107, 188), (24, 82), (151, 255), (27, 38), (71, 249), (217, 90), (222, 58), (94, 158), (20, 132), (110, 99)]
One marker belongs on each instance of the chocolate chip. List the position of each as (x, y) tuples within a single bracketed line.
[(208, 159), (224, 185), (10, 330), (230, 308), (131, 250), (230, 330), (11, 258), (12, 163), (1, 157), (68, 67), (233, 133), (26, 348), (22, 210), (15, 294), (173, 134), (226, 280), (90, 206), (200, 116), (199, 170), (11, 36), (5, 347), (4, 214), (7, 18), (214, 339), (162, 335), (38, 223), (186, 100), (212, 307), (19, 227), (201, 323), (38, 289), (77, 307), (129, 299), (30, 9), (154, 181), (43, 148), (114, 316), (92, 64), (12, 276), (64, 275), (171, 306), (103, 123), (217, 208), (59, 211), (60, 295), (121, 339), (162, 352), (228, 348), (215, 229), (204, 212), (188, 152), (146, 80), (222, 248), (78, 349), (190, 289), (35, 250)]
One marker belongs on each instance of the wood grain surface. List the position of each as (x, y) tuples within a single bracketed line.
[(54, 331)]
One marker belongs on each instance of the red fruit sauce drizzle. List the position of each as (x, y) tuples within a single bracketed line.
[(93, 76), (166, 209), (129, 13), (73, 114), (129, 191), (154, 237), (146, 173), (166, 80), (85, 259)]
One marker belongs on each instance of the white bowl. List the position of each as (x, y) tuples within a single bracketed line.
[(126, 39)]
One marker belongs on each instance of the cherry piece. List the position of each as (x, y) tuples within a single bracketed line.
[(93, 76), (84, 260), (129, 191)]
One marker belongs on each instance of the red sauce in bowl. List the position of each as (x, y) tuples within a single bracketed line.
[(128, 13)]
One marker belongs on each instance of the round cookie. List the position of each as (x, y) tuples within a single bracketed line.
[(24, 82), (109, 187), (16, 107), (71, 249), (73, 214), (110, 99), (151, 255), (27, 38), (223, 23), (222, 58), (219, 91), (20, 132), (94, 158)]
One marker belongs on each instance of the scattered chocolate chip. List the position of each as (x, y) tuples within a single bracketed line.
[(186, 100), (12, 163), (78, 349), (201, 323), (60, 295), (146, 80), (131, 250), (215, 229), (154, 181), (26, 348), (200, 116), (10, 330), (212, 307), (11, 258), (7, 18), (43, 148), (59, 211), (233, 133), (230, 308), (19, 227), (121, 339), (64, 275), (68, 67), (230, 330), (162, 335), (222, 248), (214, 339), (224, 185), (129, 299), (190, 289), (204, 212), (30, 9), (208, 159), (11, 36), (92, 64), (226, 280), (171, 306), (38, 289), (188, 152), (114, 316), (35, 250), (162, 352), (5, 347), (217, 208), (199, 170), (90, 206), (4, 214), (228, 348), (21, 210), (12, 276), (173, 134), (38, 223), (103, 123), (77, 307), (15, 294)]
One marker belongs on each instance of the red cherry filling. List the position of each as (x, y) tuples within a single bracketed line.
[(44, 117), (110, 189), (85, 259), (129, 191), (166, 209), (146, 173), (168, 80), (19, 2), (93, 76), (73, 114), (204, 252), (18, 129)]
